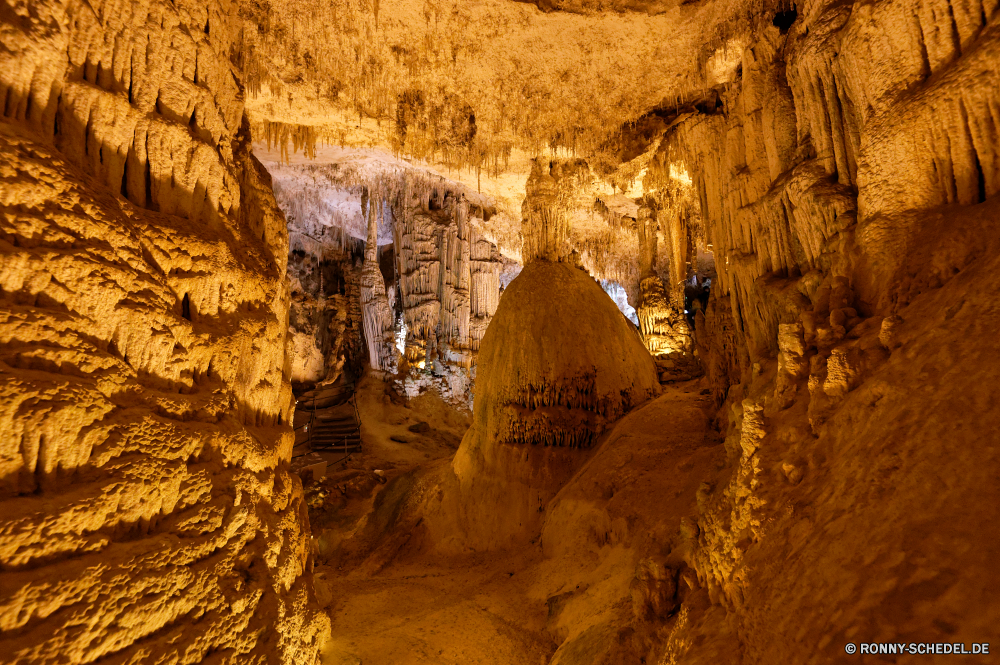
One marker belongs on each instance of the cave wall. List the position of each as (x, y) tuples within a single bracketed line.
[(848, 185), (324, 314), (148, 512), (449, 280), (823, 158)]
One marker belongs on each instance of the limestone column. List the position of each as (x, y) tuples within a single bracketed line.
[(376, 315), (661, 312), (545, 224)]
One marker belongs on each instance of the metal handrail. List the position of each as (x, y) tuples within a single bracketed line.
[(312, 415), (312, 419), (336, 389)]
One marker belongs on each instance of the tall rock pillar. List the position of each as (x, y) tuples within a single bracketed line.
[(376, 315)]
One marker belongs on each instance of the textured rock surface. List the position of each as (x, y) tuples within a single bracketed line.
[(838, 211), (812, 187), (842, 174), (807, 169), (147, 510), (449, 276), (376, 315), (440, 266), (558, 364), (320, 335)]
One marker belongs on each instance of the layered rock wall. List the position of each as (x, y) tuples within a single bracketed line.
[(838, 133), (148, 512), (449, 276)]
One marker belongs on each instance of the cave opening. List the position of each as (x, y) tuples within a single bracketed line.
[(784, 19)]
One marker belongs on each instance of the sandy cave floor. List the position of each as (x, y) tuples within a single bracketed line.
[(508, 607)]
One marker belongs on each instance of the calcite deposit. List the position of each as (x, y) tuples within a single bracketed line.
[(148, 511), (558, 365), (790, 449), (422, 253), (376, 315)]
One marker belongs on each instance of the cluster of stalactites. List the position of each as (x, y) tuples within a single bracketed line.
[(570, 412), (303, 191), (647, 227), (303, 138), (662, 322), (549, 198), (449, 275)]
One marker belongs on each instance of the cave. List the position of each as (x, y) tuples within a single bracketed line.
[(576, 332)]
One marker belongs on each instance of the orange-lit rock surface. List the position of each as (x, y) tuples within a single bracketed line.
[(798, 201), (557, 366), (846, 190), (148, 514)]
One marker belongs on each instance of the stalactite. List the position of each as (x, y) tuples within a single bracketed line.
[(303, 138), (545, 225)]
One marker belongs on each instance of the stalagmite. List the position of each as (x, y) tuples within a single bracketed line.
[(449, 279), (661, 315), (558, 364)]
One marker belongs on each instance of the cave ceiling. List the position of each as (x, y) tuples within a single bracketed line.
[(476, 89)]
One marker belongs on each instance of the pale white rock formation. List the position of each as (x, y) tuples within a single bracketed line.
[(552, 189), (446, 268), (558, 363), (618, 294), (449, 277)]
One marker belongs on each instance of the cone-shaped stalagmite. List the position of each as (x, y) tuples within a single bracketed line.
[(558, 363)]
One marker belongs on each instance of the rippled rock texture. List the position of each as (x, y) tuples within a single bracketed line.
[(148, 514), (558, 364)]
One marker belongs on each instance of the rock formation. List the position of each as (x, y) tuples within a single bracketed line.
[(661, 316), (558, 363), (148, 511), (449, 278), (443, 265), (800, 167), (799, 200), (551, 189), (376, 315)]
